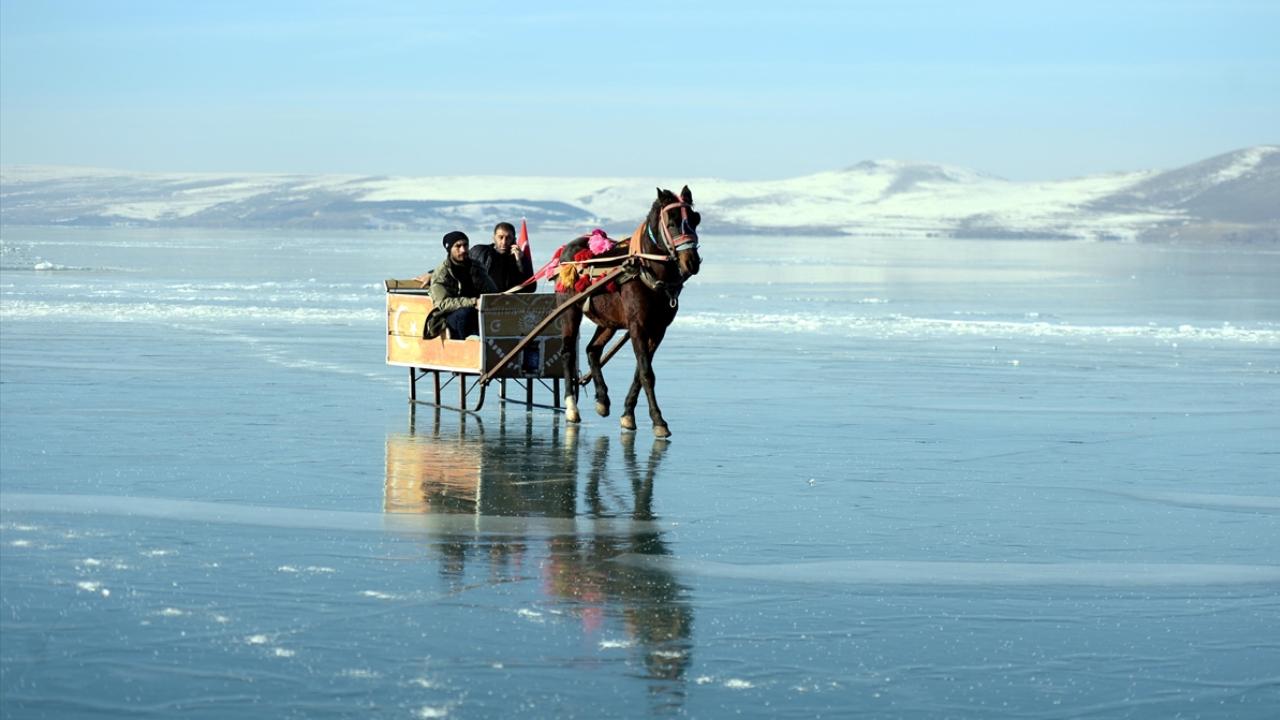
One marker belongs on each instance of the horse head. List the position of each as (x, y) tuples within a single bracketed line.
[(678, 227)]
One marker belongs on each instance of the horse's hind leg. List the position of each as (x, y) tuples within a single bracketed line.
[(594, 350), (569, 329)]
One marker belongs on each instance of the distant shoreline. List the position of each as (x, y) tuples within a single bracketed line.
[(1231, 198)]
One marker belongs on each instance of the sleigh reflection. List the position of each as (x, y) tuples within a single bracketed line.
[(461, 468), (517, 471)]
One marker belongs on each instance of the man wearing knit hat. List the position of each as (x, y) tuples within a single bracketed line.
[(456, 287)]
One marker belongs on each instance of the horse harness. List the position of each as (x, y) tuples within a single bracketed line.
[(637, 264)]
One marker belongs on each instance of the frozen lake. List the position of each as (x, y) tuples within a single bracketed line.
[(908, 479)]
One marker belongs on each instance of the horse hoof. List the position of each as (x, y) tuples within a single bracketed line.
[(628, 422), (661, 431), (602, 409)]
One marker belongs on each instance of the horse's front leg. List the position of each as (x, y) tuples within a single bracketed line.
[(644, 378), (595, 349), (629, 403)]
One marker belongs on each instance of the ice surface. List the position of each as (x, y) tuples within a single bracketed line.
[(909, 480)]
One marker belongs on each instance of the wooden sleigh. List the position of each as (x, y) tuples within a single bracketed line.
[(507, 322)]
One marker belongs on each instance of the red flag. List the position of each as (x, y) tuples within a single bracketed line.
[(522, 242)]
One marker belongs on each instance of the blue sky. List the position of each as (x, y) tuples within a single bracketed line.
[(738, 90)]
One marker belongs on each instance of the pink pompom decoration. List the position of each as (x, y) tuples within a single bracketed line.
[(599, 242)]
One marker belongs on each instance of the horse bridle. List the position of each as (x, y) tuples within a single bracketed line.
[(686, 240), (688, 237)]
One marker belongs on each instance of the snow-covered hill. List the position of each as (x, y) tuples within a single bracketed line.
[(1236, 195)]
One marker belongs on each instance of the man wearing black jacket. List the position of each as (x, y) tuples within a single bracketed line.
[(504, 262)]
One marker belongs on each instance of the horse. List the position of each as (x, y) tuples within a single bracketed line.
[(661, 255)]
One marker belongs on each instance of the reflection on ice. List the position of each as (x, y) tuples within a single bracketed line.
[(891, 572), (519, 474)]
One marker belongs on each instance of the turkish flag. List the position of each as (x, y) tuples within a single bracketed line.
[(522, 242)]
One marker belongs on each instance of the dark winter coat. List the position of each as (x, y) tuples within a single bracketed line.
[(506, 270), (454, 287)]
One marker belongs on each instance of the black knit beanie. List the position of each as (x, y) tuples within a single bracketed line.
[(453, 237)]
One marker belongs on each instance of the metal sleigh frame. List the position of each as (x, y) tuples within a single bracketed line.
[(478, 387)]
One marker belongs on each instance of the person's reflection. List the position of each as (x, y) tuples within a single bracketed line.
[(517, 470)]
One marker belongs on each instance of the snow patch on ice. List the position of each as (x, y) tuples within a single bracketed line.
[(907, 326), (19, 527), (171, 313), (312, 569)]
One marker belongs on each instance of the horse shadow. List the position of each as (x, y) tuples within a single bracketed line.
[(585, 506)]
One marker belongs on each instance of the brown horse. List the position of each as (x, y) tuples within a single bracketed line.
[(662, 254)]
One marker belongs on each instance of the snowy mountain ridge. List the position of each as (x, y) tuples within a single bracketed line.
[(1232, 196)]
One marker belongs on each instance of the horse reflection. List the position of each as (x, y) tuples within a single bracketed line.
[(650, 604), (460, 467)]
